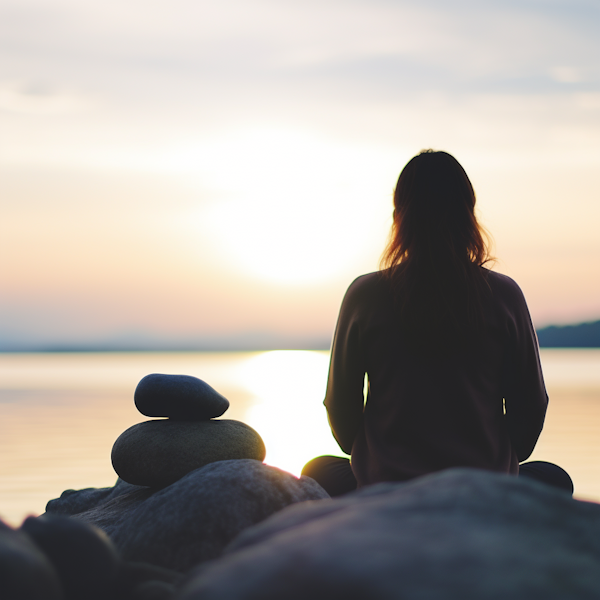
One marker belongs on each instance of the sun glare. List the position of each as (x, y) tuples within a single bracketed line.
[(286, 236), (294, 209), (289, 387)]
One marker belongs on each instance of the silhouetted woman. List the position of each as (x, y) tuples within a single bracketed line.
[(453, 375)]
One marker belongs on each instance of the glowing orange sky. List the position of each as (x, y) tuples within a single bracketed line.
[(187, 169)]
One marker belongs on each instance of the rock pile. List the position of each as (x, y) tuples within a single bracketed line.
[(159, 452), (188, 483)]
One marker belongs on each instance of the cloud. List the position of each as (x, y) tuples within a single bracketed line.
[(38, 98), (263, 38)]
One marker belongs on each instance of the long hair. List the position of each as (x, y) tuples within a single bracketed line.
[(435, 253)]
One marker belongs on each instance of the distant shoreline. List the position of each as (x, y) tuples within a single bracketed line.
[(580, 335)]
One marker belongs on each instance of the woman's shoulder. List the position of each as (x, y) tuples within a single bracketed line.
[(367, 288), (368, 283), (504, 288)]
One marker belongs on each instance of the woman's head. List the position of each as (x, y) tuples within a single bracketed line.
[(434, 214), (435, 250)]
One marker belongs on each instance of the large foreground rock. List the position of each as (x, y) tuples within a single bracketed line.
[(462, 534), (158, 453), (192, 520)]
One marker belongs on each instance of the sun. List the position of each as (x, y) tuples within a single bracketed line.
[(294, 209), (286, 237)]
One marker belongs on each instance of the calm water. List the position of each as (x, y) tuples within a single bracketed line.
[(61, 413)]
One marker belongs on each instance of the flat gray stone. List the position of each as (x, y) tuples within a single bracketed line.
[(192, 520), (462, 534), (181, 397), (158, 453)]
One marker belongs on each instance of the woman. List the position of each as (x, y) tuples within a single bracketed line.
[(453, 375)]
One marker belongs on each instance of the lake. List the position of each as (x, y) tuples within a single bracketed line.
[(61, 414)]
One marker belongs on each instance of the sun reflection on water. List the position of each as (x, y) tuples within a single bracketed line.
[(289, 387), (61, 413)]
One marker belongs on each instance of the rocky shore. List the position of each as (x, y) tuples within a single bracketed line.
[(196, 515)]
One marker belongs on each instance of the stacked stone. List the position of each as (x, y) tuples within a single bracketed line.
[(159, 452)]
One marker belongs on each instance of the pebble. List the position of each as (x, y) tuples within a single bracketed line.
[(179, 397)]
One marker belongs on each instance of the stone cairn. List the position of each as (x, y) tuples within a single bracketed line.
[(159, 452)]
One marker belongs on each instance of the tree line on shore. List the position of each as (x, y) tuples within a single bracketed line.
[(581, 335)]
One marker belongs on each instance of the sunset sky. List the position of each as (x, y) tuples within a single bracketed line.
[(223, 170)]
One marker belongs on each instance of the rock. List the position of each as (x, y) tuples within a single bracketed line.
[(158, 453), (25, 572), (106, 515), (72, 502), (82, 555), (461, 534), (192, 520), (142, 581), (181, 397), (153, 590)]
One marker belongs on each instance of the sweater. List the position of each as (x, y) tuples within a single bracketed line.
[(480, 407)]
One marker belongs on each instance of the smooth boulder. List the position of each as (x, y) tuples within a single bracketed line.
[(83, 556), (462, 534), (158, 453), (180, 397), (192, 520), (25, 571)]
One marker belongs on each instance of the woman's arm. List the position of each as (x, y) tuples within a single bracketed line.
[(525, 394), (344, 398)]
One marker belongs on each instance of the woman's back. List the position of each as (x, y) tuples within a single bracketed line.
[(427, 411)]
